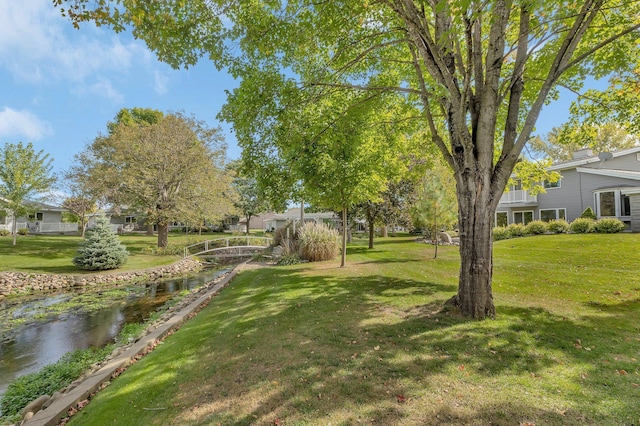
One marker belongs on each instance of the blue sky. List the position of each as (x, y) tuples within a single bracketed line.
[(60, 86)]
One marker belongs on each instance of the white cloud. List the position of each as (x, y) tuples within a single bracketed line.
[(105, 89), (22, 123), (37, 45), (160, 83)]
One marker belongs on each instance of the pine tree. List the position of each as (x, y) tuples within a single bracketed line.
[(102, 249)]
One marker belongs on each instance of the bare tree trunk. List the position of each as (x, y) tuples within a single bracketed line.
[(385, 231), (248, 220), (150, 229), (163, 235), (343, 256)]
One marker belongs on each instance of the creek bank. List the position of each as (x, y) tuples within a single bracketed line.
[(57, 409), (22, 283)]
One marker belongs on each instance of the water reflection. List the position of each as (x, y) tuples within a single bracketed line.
[(40, 343)]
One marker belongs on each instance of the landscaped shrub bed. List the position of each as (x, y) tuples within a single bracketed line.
[(581, 225)]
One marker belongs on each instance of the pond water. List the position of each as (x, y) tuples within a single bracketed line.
[(41, 341)]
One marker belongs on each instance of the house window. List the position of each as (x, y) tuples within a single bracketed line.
[(502, 218), (548, 215), (612, 204), (129, 219), (523, 217), (549, 185), (32, 217), (607, 204), (625, 205)]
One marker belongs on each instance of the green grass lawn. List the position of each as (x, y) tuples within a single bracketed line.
[(53, 254), (314, 344)]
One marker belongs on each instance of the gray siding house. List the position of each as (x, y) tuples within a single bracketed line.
[(609, 183)]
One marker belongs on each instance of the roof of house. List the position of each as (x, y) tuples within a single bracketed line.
[(591, 159), (625, 174)]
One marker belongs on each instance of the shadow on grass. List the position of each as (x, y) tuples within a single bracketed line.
[(282, 344)]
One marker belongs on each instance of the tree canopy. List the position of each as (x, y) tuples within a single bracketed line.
[(478, 73), (169, 169)]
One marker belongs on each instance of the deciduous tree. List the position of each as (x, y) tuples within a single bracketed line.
[(25, 176), (164, 168)]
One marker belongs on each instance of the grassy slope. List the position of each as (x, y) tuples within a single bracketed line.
[(315, 344)]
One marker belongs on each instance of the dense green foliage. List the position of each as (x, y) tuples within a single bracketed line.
[(101, 250), (317, 242)]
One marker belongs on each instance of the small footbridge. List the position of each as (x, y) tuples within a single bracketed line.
[(228, 247)]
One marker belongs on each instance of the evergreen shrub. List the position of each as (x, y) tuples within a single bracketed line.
[(517, 229), (609, 225), (501, 233), (582, 225), (559, 226), (101, 249), (23, 231), (588, 213), (317, 242), (536, 227)]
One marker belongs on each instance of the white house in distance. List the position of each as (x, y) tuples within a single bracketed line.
[(43, 219), (609, 183)]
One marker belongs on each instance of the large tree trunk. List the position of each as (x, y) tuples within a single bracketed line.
[(475, 298), (163, 235), (150, 229)]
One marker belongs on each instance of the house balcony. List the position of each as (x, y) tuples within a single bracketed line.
[(518, 196)]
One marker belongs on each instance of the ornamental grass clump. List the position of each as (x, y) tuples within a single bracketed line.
[(317, 242), (102, 249)]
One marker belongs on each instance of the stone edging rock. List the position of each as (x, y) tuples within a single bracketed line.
[(22, 283)]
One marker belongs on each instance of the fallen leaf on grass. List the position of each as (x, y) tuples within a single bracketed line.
[(401, 398), (622, 372)]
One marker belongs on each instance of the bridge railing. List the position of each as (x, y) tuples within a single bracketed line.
[(217, 243)]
